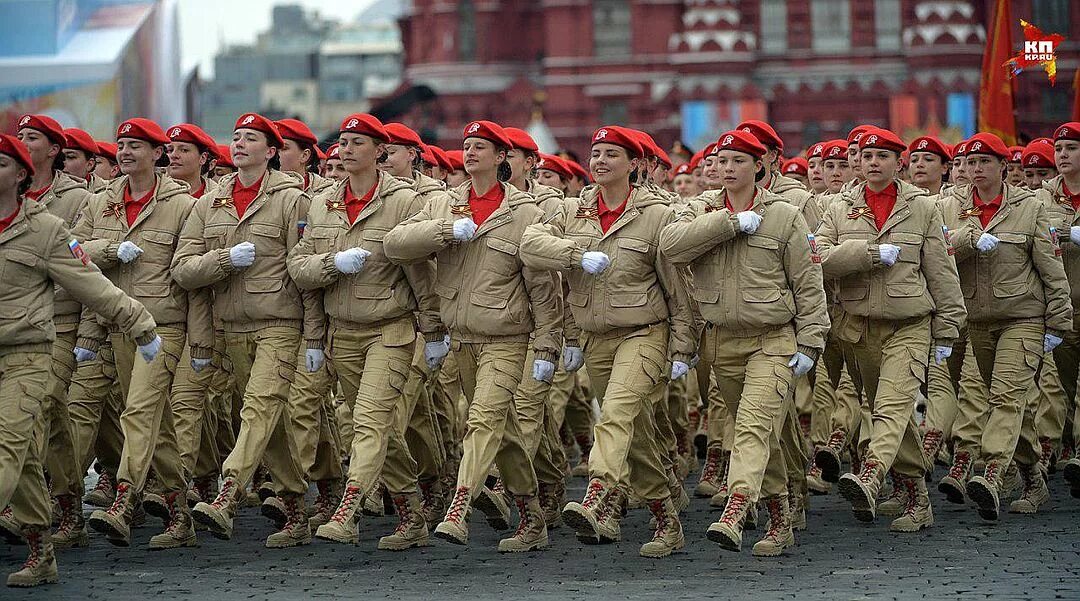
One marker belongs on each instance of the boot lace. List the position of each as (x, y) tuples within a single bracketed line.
[(837, 440), (68, 515), (592, 495), (352, 493), (33, 540), (104, 483), (122, 492), (459, 505), (776, 517), (224, 494), (712, 466), (868, 473), (908, 485), (992, 473), (931, 442), (961, 462), (1047, 451), (401, 503), (175, 523), (662, 518), (525, 522), (735, 508)]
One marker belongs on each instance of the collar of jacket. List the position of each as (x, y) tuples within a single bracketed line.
[(424, 184), (22, 221), (273, 181), (385, 186), (541, 192), (905, 193), (640, 197), (762, 198), (165, 188), (1010, 195), (781, 183), (511, 195)]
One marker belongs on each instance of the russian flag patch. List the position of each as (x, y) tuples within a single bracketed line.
[(78, 252)]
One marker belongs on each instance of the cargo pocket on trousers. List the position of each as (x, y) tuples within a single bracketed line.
[(919, 363), (1033, 353), (784, 379), (398, 374), (287, 365)]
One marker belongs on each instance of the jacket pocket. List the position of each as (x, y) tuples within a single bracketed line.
[(779, 342), (910, 246), (151, 290), (323, 239), (633, 257), (622, 300), (445, 292), (1013, 247), (489, 301), (20, 268), (372, 291), (905, 289), (761, 295), (504, 260), (853, 288), (262, 285), (267, 230), (705, 296), (1010, 289), (578, 299)]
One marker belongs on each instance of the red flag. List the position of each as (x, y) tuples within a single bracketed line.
[(1076, 96), (996, 92)]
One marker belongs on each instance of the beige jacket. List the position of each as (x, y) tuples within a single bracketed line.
[(148, 279), (37, 252), (66, 199), (923, 281), (262, 295), (795, 193), (1021, 279), (1062, 217), (382, 291), (485, 291), (751, 284), (639, 288)]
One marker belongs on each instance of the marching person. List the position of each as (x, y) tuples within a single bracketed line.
[(900, 295), (131, 230), (815, 175), (223, 164), (1038, 163), (38, 253), (493, 305), (928, 163), (759, 290), (335, 170), (80, 151), (105, 167), (236, 242), (634, 312), (300, 155), (1018, 305)]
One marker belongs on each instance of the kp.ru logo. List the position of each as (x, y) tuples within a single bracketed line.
[(1040, 49)]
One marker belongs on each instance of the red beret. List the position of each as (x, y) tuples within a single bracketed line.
[(192, 134), (796, 165), (332, 152), (107, 150), (663, 157), (835, 150), (259, 123), (487, 130), (521, 139), (441, 158), (877, 137), (1047, 141), (930, 144), (555, 164), (856, 132), (457, 160), (402, 135), (320, 153), (959, 149), (1068, 131), (224, 156), (648, 146), (365, 124), (577, 169), (78, 139), (681, 169), (619, 136), (142, 129), (709, 150), (1015, 152), (695, 160), (1037, 156), (11, 146), (763, 132), (741, 141), (46, 125), (296, 130), (987, 143), (428, 157), (815, 150)]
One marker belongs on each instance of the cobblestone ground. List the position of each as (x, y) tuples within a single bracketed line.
[(961, 557)]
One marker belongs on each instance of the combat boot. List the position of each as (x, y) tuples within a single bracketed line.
[(581, 470), (218, 515), (432, 500), (372, 505), (9, 528), (815, 483), (778, 534), (709, 483), (897, 501), (1046, 455), (344, 524), (954, 484), (677, 492), (455, 526), (862, 490), (273, 509), (40, 565), (728, 530), (828, 457), (1071, 472), (531, 533), (325, 502), (582, 516), (115, 522), (720, 498), (1011, 482), (71, 532), (296, 531), (668, 536), (412, 530), (550, 503), (493, 505), (104, 492), (609, 518), (203, 489), (985, 490), (1068, 453), (181, 529), (153, 499), (931, 446), (917, 513), (1035, 492), (797, 508)]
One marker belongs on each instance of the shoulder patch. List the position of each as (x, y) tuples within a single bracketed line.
[(78, 252)]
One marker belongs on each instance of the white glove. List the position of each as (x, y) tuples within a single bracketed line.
[(594, 262), (800, 364), (199, 364), (351, 260), (572, 358), (314, 358), (987, 242), (748, 221), (678, 370), (543, 371), (82, 355), (889, 253), (941, 353), (1050, 342), (1074, 234), (150, 349), (128, 251), (242, 255), (464, 229), (435, 352)]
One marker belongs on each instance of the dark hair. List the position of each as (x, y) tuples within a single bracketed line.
[(503, 172), (418, 159), (24, 185), (313, 160), (274, 162), (163, 160), (58, 161), (761, 172)]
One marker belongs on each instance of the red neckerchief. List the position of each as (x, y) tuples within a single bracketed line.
[(37, 194)]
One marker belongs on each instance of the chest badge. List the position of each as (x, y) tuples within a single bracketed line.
[(857, 212), (113, 209), (587, 213)]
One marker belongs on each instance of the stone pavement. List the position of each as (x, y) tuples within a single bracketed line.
[(961, 557)]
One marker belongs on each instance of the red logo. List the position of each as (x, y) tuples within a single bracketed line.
[(1040, 49)]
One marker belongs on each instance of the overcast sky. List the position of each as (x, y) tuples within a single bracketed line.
[(206, 24)]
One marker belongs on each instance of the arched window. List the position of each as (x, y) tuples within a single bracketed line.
[(466, 42)]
